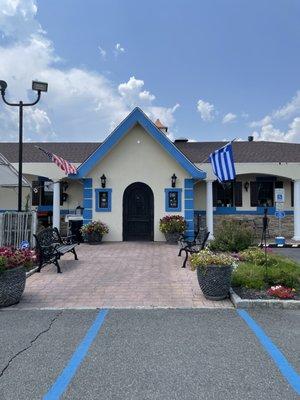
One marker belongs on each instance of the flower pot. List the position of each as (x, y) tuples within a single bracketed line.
[(172, 238), (94, 238), (12, 285), (214, 281)]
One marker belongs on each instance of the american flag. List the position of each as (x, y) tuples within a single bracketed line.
[(223, 163), (63, 164)]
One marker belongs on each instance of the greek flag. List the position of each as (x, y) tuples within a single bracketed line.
[(223, 164)]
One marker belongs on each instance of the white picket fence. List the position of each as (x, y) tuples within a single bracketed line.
[(16, 227)]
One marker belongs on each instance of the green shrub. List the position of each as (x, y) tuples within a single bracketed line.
[(280, 271), (232, 236)]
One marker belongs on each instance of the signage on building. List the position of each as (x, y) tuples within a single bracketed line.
[(279, 214), (279, 195), (279, 206)]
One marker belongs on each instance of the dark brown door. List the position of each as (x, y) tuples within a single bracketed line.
[(138, 212)]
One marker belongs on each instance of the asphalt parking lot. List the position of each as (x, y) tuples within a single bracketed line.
[(146, 354)]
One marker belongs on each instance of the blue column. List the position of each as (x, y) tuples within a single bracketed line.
[(189, 206), (87, 200)]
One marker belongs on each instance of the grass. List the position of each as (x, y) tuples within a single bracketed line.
[(280, 271)]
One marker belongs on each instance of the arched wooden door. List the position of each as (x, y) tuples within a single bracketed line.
[(138, 212)]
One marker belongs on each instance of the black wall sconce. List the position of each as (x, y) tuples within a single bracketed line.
[(173, 180), (103, 181), (246, 186)]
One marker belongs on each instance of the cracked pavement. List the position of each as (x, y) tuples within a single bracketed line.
[(147, 354)]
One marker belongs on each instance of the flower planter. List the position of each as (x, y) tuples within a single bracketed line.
[(172, 238), (12, 285), (214, 281), (94, 238)]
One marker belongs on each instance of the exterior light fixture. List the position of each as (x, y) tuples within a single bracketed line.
[(103, 181), (39, 86), (246, 186), (173, 180)]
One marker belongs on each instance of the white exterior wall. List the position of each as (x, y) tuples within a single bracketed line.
[(136, 158)]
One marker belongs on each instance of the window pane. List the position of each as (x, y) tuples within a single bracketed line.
[(223, 194), (238, 194), (262, 194), (103, 199), (173, 199)]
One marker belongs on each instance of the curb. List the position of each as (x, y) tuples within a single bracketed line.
[(31, 272), (238, 302)]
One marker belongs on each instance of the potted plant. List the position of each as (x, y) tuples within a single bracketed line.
[(214, 273), (93, 232), (173, 227), (13, 265)]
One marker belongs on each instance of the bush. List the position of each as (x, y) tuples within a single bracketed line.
[(172, 224), (232, 236), (251, 272)]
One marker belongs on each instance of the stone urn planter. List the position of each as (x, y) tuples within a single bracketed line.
[(214, 281), (94, 238), (172, 238), (213, 273), (93, 232), (172, 226), (12, 285)]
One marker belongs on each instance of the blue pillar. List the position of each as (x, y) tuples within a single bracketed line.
[(189, 206), (87, 200)]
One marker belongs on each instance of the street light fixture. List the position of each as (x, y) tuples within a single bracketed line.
[(39, 87)]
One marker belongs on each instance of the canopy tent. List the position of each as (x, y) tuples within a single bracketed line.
[(9, 175)]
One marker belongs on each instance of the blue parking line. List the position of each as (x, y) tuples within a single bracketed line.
[(62, 382), (282, 363)]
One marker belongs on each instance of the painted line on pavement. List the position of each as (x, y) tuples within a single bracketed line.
[(62, 382), (282, 363)]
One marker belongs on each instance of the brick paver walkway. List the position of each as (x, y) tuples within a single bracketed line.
[(121, 275)]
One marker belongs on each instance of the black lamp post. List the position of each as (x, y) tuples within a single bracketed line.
[(173, 180), (103, 181), (39, 87)]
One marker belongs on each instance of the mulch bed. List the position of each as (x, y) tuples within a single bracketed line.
[(254, 294)]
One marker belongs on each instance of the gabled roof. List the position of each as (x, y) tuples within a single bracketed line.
[(137, 116)]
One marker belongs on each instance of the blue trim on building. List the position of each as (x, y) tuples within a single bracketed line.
[(97, 208), (137, 116), (170, 209), (234, 211), (189, 206), (87, 200)]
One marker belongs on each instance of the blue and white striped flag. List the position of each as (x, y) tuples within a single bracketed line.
[(223, 164)]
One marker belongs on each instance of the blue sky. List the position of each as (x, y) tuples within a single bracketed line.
[(211, 70)]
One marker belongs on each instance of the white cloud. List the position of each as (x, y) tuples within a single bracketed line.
[(79, 105), (119, 49), (290, 109), (206, 110), (264, 121), (269, 133), (102, 52), (230, 117)]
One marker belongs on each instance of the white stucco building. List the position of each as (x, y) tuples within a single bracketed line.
[(138, 161)]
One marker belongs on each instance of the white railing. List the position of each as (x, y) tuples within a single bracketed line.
[(16, 227)]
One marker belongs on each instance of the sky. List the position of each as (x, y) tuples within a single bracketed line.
[(208, 69)]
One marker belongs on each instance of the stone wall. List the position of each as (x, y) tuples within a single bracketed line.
[(287, 223)]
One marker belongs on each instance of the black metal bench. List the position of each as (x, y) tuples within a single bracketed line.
[(51, 247), (192, 246)]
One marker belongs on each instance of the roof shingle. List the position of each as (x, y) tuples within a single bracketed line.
[(197, 152)]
